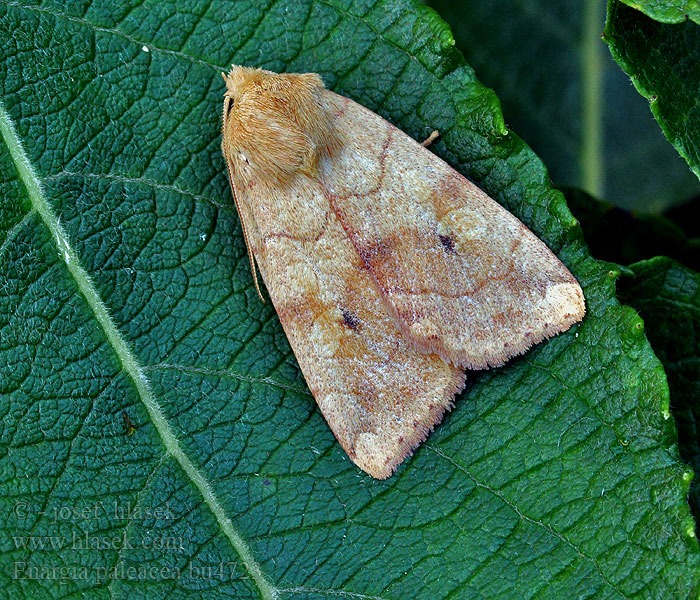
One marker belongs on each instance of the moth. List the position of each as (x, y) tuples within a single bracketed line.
[(390, 272)]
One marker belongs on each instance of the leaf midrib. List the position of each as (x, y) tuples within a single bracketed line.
[(128, 359)]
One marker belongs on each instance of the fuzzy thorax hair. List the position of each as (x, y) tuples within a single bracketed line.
[(278, 124)]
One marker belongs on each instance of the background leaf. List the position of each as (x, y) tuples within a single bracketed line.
[(127, 299), (667, 296), (663, 62), (568, 99), (620, 236)]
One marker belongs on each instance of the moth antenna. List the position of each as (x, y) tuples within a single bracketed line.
[(251, 257)]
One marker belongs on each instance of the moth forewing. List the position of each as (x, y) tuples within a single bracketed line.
[(390, 272)]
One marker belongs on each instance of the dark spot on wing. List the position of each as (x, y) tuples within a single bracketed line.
[(351, 320), (447, 243)]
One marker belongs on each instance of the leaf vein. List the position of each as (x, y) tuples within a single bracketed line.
[(524, 517)]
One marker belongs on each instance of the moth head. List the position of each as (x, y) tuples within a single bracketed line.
[(278, 123)]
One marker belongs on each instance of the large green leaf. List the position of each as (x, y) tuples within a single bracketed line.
[(562, 92), (140, 370), (663, 62), (667, 296), (668, 11)]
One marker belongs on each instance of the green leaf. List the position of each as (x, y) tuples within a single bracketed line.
[(663, 62), (143, 373), (667, 296), (624, 237), (563, 93), (668, 11)]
